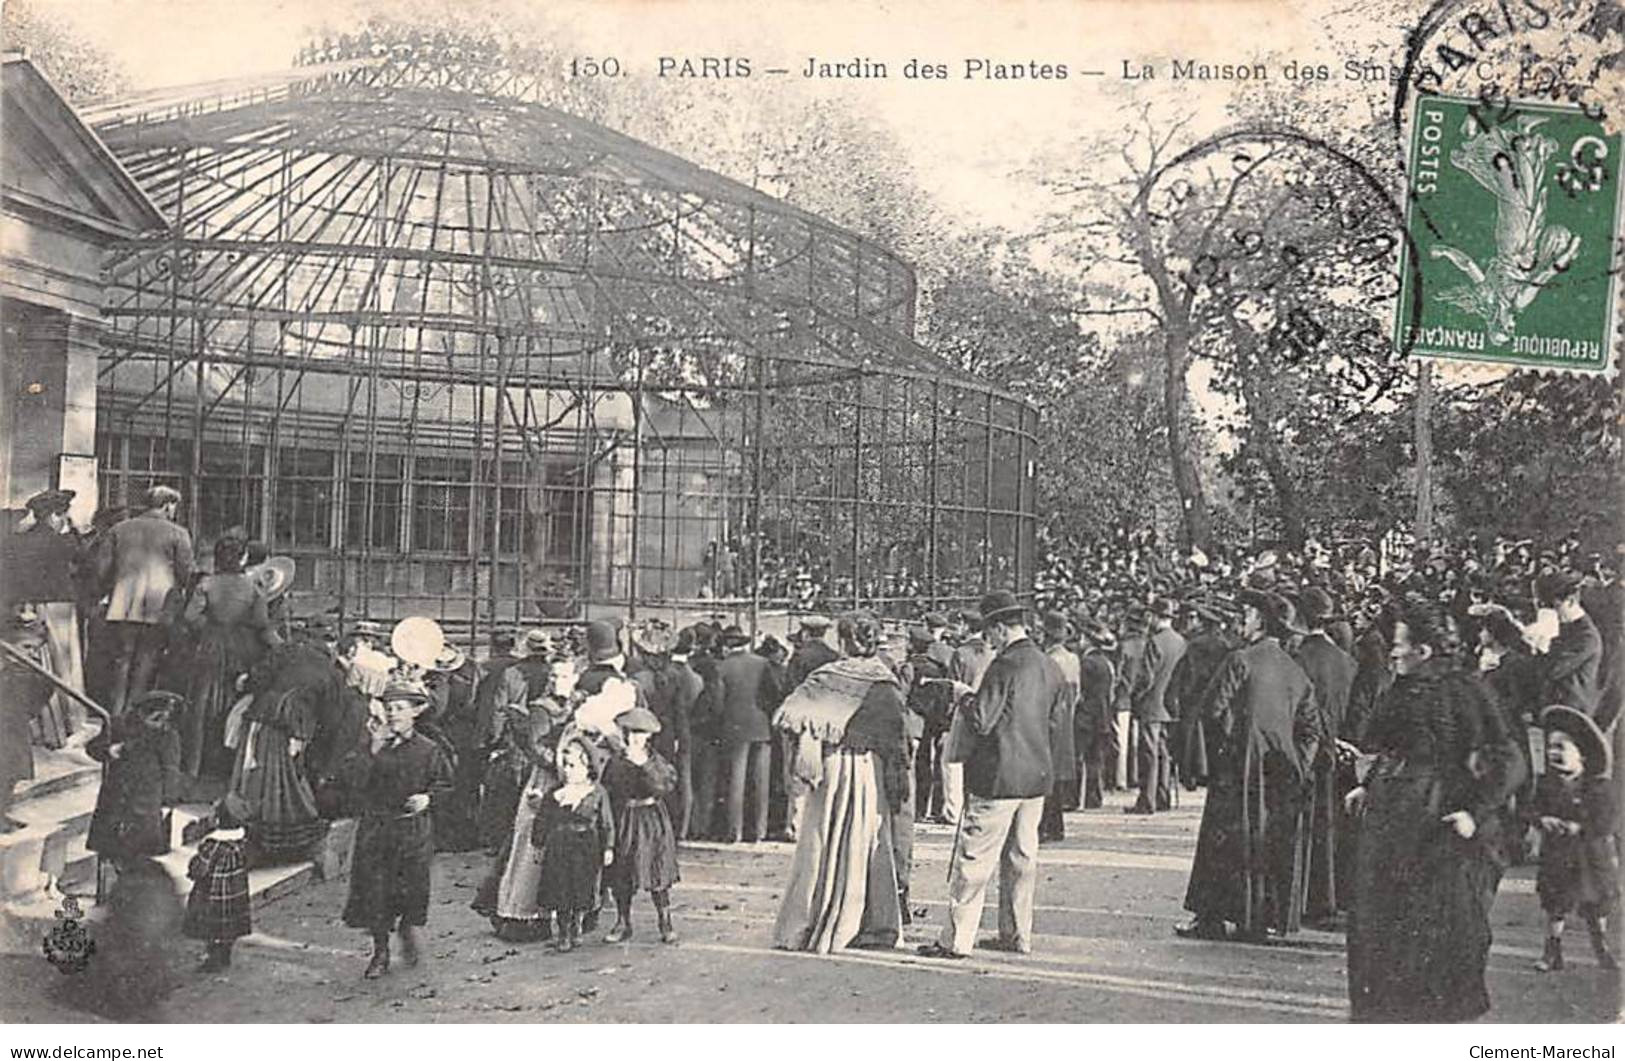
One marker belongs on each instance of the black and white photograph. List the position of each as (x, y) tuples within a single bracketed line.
[(658, 512)]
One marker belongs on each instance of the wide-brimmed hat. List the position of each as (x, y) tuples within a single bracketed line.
[(639, 720), (273, 577), (998, 605), (367, 628), (1583, 732), (51, 501), (451, 658), (819, 623), (653, 636), (1056, 622), (1163, 608), (734, 637), (602, 644), (970, 617)]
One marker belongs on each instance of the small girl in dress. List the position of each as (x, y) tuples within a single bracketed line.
[(576, 835), (1574, 806), (638, 780), (217, 910)]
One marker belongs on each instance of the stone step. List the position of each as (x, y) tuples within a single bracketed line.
[(56, 770)]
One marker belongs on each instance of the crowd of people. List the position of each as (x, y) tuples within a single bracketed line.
[(1379, 736)]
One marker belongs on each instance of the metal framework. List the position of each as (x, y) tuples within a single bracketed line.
[(466, 355)]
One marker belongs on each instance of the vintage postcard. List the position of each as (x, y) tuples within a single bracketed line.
[(696, 512)]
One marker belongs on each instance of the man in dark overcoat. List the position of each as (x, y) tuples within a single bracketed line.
[(1262, 708), (1164, 648), (1331, 670), (747, 696), (1092, 722)]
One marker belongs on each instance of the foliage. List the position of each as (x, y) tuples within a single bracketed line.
[(82, 72)]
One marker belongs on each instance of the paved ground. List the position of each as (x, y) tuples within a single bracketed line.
[(1108, 899)]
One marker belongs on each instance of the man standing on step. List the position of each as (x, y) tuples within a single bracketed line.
[(146, 563), (1008, 770)]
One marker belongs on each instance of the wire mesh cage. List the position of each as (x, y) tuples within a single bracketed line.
[(465, 355)]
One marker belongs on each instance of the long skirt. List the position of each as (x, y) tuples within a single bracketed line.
[(389, 873), (842, 890), (211, 691), (509, 892), (283, 821), (61, 656), (1419, 930)]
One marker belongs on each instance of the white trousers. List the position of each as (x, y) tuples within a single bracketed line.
[(1000, 833)]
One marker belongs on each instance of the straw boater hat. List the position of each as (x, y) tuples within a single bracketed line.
[(451, 659), (818, 623), (1583, 732), (273, 577)]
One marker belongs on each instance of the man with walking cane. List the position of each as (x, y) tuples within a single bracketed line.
[(1008, 772)]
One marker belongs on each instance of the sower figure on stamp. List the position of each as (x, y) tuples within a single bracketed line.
[(1007, 775)]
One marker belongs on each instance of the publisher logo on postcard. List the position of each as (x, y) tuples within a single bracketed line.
[(1513, 215)]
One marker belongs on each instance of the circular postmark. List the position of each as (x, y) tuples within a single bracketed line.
[(1291, 256)]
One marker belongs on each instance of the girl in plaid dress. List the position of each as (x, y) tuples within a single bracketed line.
[(217, 910)]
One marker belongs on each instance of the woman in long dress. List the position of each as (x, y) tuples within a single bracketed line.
[(270, 773), (846, 720), (228, 614), (1430, 844), (508, 894)]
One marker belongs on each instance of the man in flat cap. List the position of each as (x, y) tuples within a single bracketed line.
[(39, 570), (1263, 711), (145, 564), (1008, 772), (1164, 648)]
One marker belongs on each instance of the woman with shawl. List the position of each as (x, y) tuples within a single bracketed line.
[(845, 722)]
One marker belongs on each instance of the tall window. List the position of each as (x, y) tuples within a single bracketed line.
[(515, 532), (304, 498), (230, 489), (442, 489), (373, 500), (128, 465)]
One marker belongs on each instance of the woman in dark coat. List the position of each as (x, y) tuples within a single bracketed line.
[(227, 612), (143, 755), (271, 775), (1430, 843), (397, 776)]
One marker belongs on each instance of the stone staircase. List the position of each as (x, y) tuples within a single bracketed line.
[(47, 859)]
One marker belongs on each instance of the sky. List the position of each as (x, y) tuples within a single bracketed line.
[(979, 144)]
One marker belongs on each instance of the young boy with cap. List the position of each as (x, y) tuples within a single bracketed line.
[(638, 779)]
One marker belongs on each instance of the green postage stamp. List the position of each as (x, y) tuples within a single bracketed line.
[(1513, 214)]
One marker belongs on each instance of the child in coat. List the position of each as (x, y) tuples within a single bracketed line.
[(576, 834), (1574, 806), (217, 910), (397, 776), (638, 780)]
